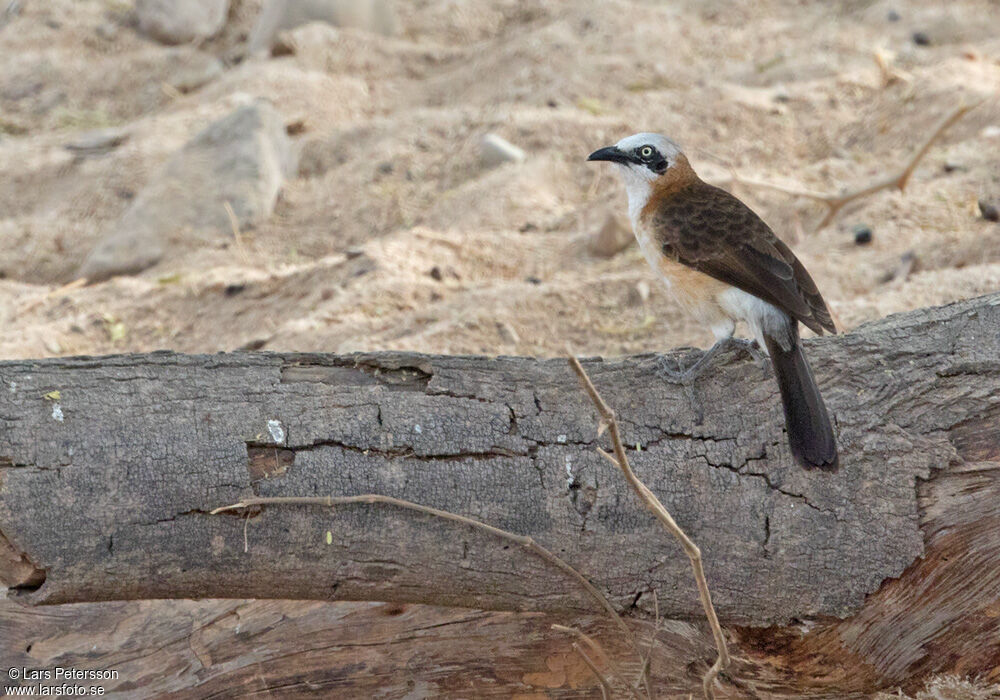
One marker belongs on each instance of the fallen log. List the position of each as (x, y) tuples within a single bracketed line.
[(110, 466)]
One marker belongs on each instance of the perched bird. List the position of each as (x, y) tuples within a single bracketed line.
[(724, 265)]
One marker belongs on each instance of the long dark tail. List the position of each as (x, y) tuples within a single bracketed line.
[(810, 434)]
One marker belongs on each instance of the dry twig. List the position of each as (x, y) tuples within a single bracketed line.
[(605, 658), (620, 459), (606, 691), (644, 668), (835, 202), (371, 498)]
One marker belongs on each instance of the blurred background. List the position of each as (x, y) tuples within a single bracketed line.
[(345, 175)]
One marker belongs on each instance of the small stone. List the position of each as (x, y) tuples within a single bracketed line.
[(206, 68), (921, 39), (98, 141), (906, 266), (295, 127), (181, 21), (378, 16), (642, 290), (950, 166), (435, 273), (893, 16), (613, 237), (507, 333), (862, 234), (494, 150), (988, 210), (107, 31), (533, 280), (639, 294)]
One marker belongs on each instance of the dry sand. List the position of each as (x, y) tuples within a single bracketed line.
[(394, 236)]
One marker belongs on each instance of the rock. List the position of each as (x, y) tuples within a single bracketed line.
[(613, 237), (989, 211), (108, 31), (893, 16), (639, 294), (181, 21), (378, 16), (494, 150), (203, 68), (97, 142), (507, 333), (862, 234), (241, 160), (906, 266), (921, 39)]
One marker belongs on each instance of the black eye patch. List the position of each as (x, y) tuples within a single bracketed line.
[(659, 166)]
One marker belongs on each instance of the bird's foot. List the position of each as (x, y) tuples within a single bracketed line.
[(686, 377), (752, 349), (675, 373)]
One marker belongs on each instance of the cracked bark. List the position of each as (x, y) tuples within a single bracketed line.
[(110, 502)]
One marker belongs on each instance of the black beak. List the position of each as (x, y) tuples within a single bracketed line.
[(610, 154)]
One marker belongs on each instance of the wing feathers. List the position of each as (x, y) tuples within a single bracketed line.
[(710, 230)]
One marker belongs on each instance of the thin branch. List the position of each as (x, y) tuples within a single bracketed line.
[(644, 669), (371, 498), (606, 691), (605, 658), (835, 202), (663, 515)]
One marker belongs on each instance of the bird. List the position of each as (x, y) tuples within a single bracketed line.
[(725, 265)]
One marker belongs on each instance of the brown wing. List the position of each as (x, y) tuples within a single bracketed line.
[(710, 230)]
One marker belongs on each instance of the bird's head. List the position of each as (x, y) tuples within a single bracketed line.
[(643, 160)]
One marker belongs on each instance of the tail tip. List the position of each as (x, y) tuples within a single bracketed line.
[(826, 463)]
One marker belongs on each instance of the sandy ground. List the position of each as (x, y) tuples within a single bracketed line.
[(394, 235)]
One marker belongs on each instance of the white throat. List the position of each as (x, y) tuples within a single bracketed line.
[(638, 187)]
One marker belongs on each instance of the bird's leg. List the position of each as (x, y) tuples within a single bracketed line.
[(687, 377), (690, 374)]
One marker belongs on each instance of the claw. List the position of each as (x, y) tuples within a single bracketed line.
[(687, 377), (751, 347)]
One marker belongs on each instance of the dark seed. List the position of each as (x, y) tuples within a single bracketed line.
[(921, 39), (989, 211), (862, 235)]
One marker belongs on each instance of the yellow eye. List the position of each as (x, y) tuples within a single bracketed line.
[(646, 151)]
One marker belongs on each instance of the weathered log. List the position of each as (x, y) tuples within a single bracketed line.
[(105, 488)]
